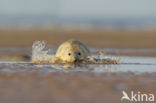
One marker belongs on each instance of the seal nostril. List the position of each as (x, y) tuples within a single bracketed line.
[(76, 60)]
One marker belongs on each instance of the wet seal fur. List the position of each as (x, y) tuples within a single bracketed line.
[(71, 51)]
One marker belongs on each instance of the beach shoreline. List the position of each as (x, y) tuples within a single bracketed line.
[(94, 38)]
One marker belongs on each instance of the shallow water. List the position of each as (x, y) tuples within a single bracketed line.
[(135, 64), (22, 81), (128, 64)]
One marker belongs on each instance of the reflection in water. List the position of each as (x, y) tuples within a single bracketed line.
[(106, 68), (128, 64)]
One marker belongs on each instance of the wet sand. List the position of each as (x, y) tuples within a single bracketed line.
[(35, 86), (92, 37), (72, 87)]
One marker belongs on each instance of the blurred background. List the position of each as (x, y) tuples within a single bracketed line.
[(125, 28), (131, 14), (104, 21)]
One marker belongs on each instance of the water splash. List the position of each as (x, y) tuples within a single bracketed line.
[(41, 56)]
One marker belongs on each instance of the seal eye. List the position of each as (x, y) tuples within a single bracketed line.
[(79, 53), (69, 54)]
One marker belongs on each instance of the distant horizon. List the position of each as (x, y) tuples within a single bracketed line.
[(104, 22), (99, 13), (96, 8)]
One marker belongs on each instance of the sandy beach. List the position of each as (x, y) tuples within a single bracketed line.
[(96, 38), (117, 64), (72, 87), (92, 37), (35, 86)]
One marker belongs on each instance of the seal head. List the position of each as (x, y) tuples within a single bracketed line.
[(72, 51)]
